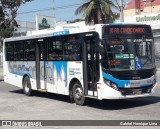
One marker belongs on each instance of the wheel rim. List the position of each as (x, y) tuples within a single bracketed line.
[(26, 87), (78, 93)]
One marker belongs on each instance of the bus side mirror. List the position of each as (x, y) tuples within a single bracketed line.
[(100, 59)]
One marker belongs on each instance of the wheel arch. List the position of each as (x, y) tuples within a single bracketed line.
[(25, 75), (72, 82)]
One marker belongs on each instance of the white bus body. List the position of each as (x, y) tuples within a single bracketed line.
[(58, 76)]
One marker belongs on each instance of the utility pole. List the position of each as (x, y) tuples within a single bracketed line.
[(53, 8), (121, 10)]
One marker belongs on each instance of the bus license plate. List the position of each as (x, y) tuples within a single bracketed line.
[(137, 91)]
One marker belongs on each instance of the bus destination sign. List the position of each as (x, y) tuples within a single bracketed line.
[(126, 30)]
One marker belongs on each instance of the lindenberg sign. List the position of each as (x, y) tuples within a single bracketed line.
[(148, 18), (45, 22)]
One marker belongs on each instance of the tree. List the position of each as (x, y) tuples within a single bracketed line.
[(1, 13), (98, 11), (7, 21)]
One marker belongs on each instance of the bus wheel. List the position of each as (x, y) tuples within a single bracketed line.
[(27, 86), (78, 94)]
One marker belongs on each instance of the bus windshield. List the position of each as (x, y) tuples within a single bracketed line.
[(128, 53)]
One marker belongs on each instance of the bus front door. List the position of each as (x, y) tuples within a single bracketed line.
[(91, 64), (40, 65)]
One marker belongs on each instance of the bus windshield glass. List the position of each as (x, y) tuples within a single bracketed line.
[(128, 52)]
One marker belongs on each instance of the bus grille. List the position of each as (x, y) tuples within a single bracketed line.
[(135, 91), (134, 76)]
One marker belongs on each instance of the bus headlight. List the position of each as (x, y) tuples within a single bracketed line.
[(111, 84), (107, 82), (114, 86), (154, 82)]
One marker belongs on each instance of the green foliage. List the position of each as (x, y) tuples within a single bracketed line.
[(98, 11), (1, 13), (7, 20)]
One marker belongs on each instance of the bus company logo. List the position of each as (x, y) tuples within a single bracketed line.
[(44, 24), (6, 123)]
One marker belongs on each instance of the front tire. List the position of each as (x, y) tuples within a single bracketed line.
[(78, 94), (27, 86)]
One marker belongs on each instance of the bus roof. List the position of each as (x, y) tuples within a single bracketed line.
[(58, 31), (63, 30)]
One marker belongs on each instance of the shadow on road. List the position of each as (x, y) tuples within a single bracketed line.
[(123, 104), (17, 91), (1, 80), (104, 104), (46, 95), (58, 97)]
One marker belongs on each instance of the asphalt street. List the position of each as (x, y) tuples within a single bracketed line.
[(14, 105)]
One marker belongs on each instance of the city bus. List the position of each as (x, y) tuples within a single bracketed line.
[(114, 61)]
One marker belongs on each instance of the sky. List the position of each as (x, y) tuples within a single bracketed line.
[(64, 9), (61, 12)]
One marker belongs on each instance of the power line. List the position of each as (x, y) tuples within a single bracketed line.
[(47, 9)]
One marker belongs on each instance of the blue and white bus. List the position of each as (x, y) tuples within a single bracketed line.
[(100, 61)]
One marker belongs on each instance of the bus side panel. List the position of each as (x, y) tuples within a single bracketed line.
[(14, 72), (75, 70), (60, 73), (10, 76), (55, 76)]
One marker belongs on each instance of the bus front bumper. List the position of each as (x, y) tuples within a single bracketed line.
[(110, 93)]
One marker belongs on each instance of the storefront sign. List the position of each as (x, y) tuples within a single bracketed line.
[(152, 19), (147, 18)]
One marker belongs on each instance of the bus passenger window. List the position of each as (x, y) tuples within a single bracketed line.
[(73, 51), (9, 51), (55, 51), (18, 51), (52, 56), (29, 51)]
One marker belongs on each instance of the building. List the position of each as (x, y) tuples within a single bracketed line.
[(138, 7), (144, 12), (23, 28)]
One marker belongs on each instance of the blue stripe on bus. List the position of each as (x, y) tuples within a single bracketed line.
[(120, 83), (65, 32), (21, 74), (116, 24)]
